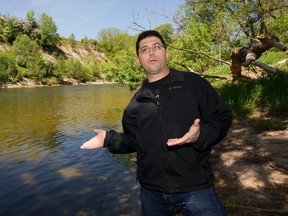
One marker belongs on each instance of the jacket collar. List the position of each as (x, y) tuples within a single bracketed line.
[(144, 92)]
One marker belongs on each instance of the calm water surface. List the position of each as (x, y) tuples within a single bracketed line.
[(43, 171)]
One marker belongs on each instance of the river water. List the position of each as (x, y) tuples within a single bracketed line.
[(44, 172)]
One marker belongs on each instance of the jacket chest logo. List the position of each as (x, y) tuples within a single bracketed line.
[(174, 87)]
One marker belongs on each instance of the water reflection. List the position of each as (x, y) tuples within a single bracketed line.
[(43, 172)]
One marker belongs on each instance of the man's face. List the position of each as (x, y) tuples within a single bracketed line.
[(152, 56)]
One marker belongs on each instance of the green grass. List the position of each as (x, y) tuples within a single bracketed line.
[(284, 67), (219, 70), (268, 95), (231, 204), (268, 124), (272, 56)]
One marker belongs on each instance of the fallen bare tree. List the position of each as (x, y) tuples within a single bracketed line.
[(243, 57), (246, 56)]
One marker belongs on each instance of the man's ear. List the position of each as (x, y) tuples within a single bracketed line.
[(167, 55), (137, 61)]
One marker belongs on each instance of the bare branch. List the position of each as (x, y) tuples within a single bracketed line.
[(267, 68), (137, 27), (174, 19), (203, 75), (185, 66), (201, 53)]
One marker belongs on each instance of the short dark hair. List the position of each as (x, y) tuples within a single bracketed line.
[(146, 34)]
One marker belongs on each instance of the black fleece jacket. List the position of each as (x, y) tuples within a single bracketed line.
[(149, 121)]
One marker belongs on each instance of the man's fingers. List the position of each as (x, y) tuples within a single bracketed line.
[(188, 137), (84, 146), (196, 122), (97, 130), (96, 141), (88, 144), (172, 142), (176, 141)]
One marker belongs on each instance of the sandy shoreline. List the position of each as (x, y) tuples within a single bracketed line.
[(27, 83)]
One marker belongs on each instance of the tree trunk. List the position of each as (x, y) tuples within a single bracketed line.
[(245, 56), (238, 58)]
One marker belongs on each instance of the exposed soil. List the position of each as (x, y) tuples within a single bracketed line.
[(251, 170)]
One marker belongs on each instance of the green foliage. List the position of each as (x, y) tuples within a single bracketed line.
[(73, 68), (12, 27), (113, 41), (213, 28), (77, 71), (39, 68), (28, 56), (94, 70), (48, 31), (71, 40), (44, 32), (278, 26), (2, 26), (167, 32), (9, 30), (120, 48), (128, 71), (8, 69), (31, 16), (85, 40), (25, 50), (124, 70), (60, 69)]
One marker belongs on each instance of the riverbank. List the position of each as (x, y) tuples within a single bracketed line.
[(252, 171), (29, 83)]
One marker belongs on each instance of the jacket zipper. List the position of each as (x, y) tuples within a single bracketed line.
[(163, 148)]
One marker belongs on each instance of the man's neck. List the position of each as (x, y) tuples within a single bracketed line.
[(158, 76)]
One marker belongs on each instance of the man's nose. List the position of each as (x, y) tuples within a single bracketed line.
[(151, 50)]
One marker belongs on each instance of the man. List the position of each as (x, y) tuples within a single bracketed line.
[(171, 122)]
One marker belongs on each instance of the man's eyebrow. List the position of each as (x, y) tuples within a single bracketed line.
[(157, 43)]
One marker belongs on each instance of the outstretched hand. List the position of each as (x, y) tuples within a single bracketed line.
[(95, 142), (190, 137)]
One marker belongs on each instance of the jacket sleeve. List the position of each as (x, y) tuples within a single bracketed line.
[(125, 142), (215, 119)]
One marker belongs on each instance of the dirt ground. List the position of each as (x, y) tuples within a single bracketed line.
[(251, 170)]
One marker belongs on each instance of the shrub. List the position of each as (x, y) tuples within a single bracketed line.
[(77, 71), (38, 68), (28, 55), (8, 69), (60, 70), (25, 50)]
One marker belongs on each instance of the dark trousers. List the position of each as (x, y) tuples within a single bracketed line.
[(204, 202)]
